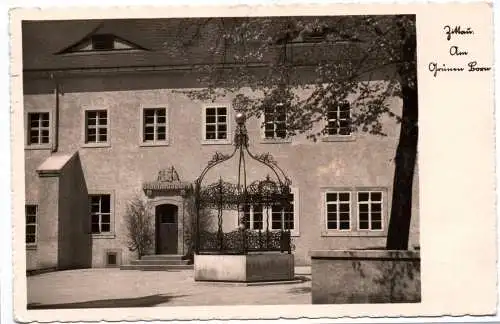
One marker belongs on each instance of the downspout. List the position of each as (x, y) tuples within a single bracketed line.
[(55, 142)]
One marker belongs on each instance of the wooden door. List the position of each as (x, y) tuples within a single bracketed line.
[(166, 229)]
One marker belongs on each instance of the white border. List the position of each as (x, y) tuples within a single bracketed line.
[(6, 176)]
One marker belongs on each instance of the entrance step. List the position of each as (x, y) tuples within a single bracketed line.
[(156, 267), (162, 257), (160, 262)]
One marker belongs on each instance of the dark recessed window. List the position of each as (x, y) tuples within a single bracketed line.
[(111, 259), (216, 126), (339, 119), (282, 217), (155, 125), (100, 213), (338, 210), (96, 130), (38, 128), (31, 213), (275, 122), (104, 42), (370, 210), (253, 217)]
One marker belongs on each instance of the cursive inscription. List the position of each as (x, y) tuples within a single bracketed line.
[(457, 30), (435, 68), (456, 52), (473, 67)]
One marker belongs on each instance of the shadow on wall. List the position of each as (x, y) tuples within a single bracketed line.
[(137, 81), (394, 283), (359, 277), (145, 301), (75, 243)]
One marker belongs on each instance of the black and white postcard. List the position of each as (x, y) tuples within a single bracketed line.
[(253, 162)]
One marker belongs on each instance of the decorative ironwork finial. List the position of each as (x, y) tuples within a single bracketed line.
[(240, 118), (241, 137)]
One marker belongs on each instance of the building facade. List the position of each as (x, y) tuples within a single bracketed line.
[(106, 121)]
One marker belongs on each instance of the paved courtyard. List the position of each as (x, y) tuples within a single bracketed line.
[(118, 288)]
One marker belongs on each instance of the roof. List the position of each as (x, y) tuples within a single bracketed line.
[(44, 41), (54, 164)]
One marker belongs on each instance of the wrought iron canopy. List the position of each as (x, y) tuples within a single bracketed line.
[(274, 189)]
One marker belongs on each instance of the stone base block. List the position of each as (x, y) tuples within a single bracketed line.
[(365, 276), (253, 267)]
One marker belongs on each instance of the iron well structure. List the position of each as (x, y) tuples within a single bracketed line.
[(273, 190)]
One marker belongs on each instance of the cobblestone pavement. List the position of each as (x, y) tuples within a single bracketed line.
[(118, 288)]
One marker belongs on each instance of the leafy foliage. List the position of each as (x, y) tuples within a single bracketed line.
[(139, 220), (309, 64)]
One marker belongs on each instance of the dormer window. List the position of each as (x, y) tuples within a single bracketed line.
[(101, 43), (104, 42)]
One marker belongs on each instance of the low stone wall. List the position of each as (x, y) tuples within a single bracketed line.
[(251, 267), (365, 276)]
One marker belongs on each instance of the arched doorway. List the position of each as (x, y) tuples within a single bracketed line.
[(166, 228)]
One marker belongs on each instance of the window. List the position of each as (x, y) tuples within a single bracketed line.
[(282, 217), (370, 210), (96, 126), (355, 212), (253, 217), (216, 124), (111, 259), (102, 42), (31, 213), (339, 119), (38, 128), (275, 122), (338, 211), (100, 213), (154, 125), (274, 218)]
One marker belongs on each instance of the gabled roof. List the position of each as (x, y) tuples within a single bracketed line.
[(46, 44)]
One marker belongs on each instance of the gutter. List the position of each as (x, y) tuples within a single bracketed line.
[(55, 142), (68, 72)]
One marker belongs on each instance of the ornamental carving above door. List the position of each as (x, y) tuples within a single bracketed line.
[(167, 183)]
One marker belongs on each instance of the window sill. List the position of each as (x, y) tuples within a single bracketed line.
[(38, 147), (216, 142), (275, 140), (31, 246), (339, 138), (96, 145), (152, 144), (103, 235), (354, 233)]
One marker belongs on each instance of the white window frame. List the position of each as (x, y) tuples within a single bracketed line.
[(35, 224), (107, 143), (228, 139), (369, 202), (155, 142), (338, 137), (27, 129), (337, 203), (251, 219), (354, 212), (111, 194), (273, 140), (296, 216)]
